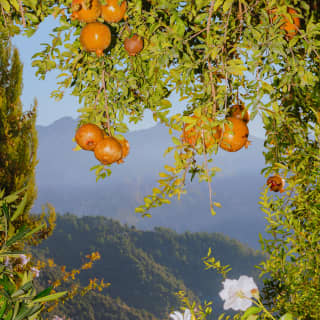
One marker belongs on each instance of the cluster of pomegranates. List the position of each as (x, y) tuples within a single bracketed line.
[(96, 36), (107, 149), (228, 139)]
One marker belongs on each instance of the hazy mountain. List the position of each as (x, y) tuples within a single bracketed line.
[(145, 268), (65, 180)]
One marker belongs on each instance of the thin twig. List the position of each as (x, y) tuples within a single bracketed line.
[(22, 13), (106, 99), (241, 18), (195, 34), (96, 100), (207, 169), (4, 17), (213, 90)]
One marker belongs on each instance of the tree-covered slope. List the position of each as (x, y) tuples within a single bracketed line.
[(145, 268)]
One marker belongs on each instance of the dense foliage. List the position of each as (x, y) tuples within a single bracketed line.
[(213, 54)]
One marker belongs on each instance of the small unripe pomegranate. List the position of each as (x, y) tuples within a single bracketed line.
[(88, 135), (276, 183), (133, 45), (108, 150)]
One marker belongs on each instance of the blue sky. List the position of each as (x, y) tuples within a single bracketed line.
[(50, 110)]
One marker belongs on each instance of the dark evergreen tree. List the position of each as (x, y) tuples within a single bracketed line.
[(18, 140)]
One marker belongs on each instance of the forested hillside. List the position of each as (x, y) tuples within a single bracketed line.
[(145, 268)]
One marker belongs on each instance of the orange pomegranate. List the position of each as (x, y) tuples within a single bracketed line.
[(276, 183), (85, 10), (290, 28), (108, 150), (95, 37), (112, 12), (234, 139), (133, 45), (238, 111), (192, 134), (125, 149), (88, 136)]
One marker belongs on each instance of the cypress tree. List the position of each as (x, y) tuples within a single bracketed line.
[(18, 140)]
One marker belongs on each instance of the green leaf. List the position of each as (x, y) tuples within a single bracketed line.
[(252, 310), (217, 4), (43, 293), (21, 233), (227, 5), (36, 229), (6, 5), (176, 141), (26, 313), (15, 4), (20, 207), (287, 316), (24, 289), (3, 302), (51, 297)]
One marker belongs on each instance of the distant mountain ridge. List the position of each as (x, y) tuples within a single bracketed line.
[(64, 179), (145, 268)]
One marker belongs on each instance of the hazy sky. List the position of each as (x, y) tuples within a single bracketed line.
[(50, 110)]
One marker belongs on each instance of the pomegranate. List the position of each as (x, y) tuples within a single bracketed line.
[(108, 150), (276, 183), (234, 139), (86, 10), (290, 28), (88, 136), (133, 45), (125, 149), (112, 12), (238, 111), (95, 36)]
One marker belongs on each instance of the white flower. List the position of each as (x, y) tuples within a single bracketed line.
[(24, 259), (36, 272), (176, 315), (237, 293), (57, 318)]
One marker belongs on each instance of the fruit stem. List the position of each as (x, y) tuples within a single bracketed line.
[(106, 98)]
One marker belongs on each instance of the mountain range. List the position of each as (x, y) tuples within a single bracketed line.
[(145, 268), (64, 179)]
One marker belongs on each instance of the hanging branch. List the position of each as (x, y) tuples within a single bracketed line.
[(4, 17), (213, 90), (194, 35), (207, 169), (106, 99), (96, 99), (22, 13)]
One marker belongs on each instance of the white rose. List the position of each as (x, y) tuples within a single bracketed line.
[(237, 293)]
